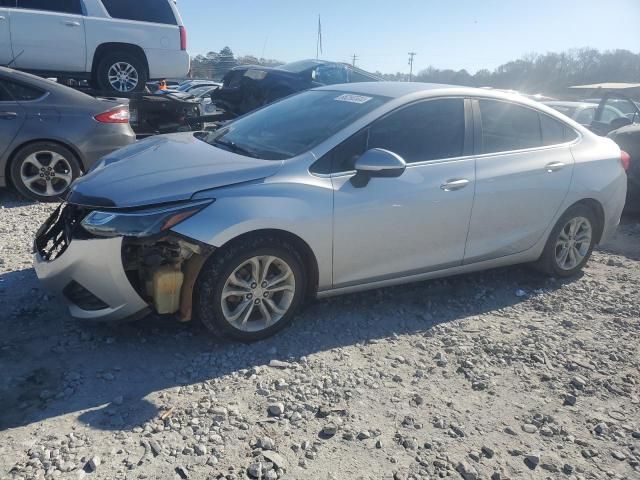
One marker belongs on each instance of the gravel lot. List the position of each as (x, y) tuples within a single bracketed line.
[(502, 374)]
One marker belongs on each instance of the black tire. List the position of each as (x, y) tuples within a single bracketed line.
[(211, 281), (113, 58), (21, 165), (548, 262)]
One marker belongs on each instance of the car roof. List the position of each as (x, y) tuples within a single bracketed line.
[(403, 89), (558, 103)]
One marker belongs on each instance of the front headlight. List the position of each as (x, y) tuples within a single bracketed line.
[(142, 223)]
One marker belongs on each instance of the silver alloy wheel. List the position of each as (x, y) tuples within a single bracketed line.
[(258, 293), (46, 173), (123, 77), (573, 243)]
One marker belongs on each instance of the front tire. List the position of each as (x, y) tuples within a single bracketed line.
[(121, 72), (250, 290), (44, 171), (570, 243)]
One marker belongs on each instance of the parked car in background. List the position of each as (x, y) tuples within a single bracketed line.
[(248, 87), (50, 134), (617, 117), (330, 191), (584, 112), (117, 44)]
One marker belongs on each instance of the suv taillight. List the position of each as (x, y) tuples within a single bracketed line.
[(183, 38), (625, 160), (117, 115)]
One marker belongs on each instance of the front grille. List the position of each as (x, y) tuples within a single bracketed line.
[(83, 298), (55, 235)]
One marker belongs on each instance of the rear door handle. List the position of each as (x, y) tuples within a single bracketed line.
[(554, 167), (2, 17), (457, 184), (72, 24), (8, 115)]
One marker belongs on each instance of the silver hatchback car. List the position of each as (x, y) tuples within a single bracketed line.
[(333, 190)]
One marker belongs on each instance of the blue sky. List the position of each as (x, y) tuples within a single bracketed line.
[(456, 34)]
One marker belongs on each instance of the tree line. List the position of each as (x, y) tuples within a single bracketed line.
[(549, 73)]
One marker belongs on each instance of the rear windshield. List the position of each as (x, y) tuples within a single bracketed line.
[(294, 125), (155, 11)]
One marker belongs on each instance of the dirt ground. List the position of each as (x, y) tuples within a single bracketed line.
[(501, 374)]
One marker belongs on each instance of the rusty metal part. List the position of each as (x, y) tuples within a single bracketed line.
[(191, 268)]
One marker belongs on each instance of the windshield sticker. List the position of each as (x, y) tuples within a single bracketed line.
[(347, 97)]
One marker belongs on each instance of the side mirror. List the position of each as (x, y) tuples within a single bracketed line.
[(377, 163)]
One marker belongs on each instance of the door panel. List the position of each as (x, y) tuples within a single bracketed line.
[(44, 40), (5, 37), (12, 118), (517, 196), (401, 226)]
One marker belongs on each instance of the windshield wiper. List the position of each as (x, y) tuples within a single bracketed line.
[(234, 147)]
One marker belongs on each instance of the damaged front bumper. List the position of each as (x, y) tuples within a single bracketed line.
[(90, 276), (116, 278)]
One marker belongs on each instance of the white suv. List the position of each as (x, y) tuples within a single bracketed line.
[(117, 44)]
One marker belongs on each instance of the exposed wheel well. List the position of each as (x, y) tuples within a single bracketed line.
[(310, 262), (596, 207), (15, 151), (107, 48)]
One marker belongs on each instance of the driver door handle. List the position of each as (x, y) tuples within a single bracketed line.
[(456, 184), (72, 24), (554, 167), (2, 17), (8, 115)]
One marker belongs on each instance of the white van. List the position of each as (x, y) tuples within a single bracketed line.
[(116, 44)]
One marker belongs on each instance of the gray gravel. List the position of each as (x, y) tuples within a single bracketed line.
[(502, 374)]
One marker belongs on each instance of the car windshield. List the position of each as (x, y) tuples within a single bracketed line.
[(294, 125)]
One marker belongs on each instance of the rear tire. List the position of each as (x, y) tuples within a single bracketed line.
[(121, 72), (570, 243), (228, 281), (43, 171)]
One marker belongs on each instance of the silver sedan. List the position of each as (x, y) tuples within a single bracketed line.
[(334, 190)]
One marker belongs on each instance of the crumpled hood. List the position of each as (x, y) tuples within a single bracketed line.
[(166, 168)]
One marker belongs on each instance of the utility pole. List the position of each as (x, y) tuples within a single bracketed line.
[(355, 57), (411, 55)]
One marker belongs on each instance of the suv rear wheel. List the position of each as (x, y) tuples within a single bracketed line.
[(121, 72)]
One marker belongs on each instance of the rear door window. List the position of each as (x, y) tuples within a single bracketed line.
[(154, 11), (62, 6), (20, 92), (507, 127)]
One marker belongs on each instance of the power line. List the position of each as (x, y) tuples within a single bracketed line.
[(411, 55)]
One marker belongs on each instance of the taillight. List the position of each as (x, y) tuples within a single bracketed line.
[(183, 38), (625, 160), (117, 115)]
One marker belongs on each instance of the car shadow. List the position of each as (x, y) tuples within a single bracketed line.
[(10, 199), (53, 365)]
